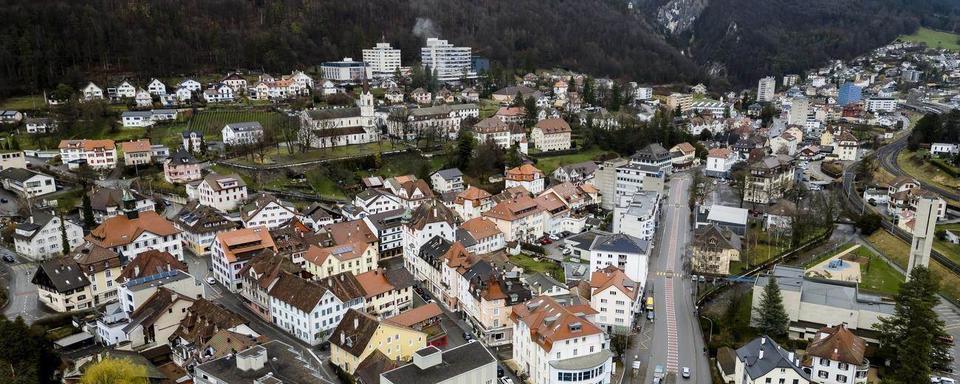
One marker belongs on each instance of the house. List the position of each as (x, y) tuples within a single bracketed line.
[(387, 292), (768, 179), (813, 303), (780, 216), (143, 99), (41, 236), (785, 144), (137, 152), (92, 92), (394, 95), (221, 192), (637, 215), (447, 180), (152, 324), (192, 141), (421, 96), (616, 298), (145, 274), (553, 340), (719, 162), (472, 202), (131, 119), (470, 95), (494, 130), (302, 308), (625, 252), (836, 356), (12, 159), (388, 227), (267, 211), (373, 201), (40, 125), (519, 218), (249, 132), (219, 93), (412, 192), (236, 81), (574, 197), (713, 249), (506, 95), (764, 361), (109, 202), (200, 224), (846, 147), (359, 334), (258, 276), (10, 117), (425, 318), (442, 120), (157, 88), (101, 266), (526, 176), (126, 90), (551, 134), (273, 361), (577, 174), (62, 286), (357, 257), (135, 232), (97, 154), (204, 319), (233, 249), (26, 183), (732, 218), (481, 236), (181, 168), (511, 115), (427, 221), (937, 149), (468, 363)]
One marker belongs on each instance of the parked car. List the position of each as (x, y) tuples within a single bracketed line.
[(9, 258), (554, 237), (499, 371), (650, 316), (211, 280), (566, 252), (4, 201), (685, 372)]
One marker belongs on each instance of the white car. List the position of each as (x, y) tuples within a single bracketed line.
[(211, 280), (566, 252)]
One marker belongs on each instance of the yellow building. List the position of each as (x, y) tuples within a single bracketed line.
[(359, 334), (357, 257), (102, 267)]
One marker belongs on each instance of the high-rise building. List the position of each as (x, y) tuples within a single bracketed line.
[(799, 109), (766, 88), (383, 60), (849, 93), (448, 62), (925, 221), (790, 80)]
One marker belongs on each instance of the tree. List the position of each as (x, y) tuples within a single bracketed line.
[(115, 371), (739, 175), (63, 235), (869, 223), (589, 93), (517, 100), (530, 111), (913, 338), (465, 144), (26, 356), (773, 317), (767, 114), (616, 97), (87, 207), (62, 92)]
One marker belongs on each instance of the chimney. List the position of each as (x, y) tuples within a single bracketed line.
[(790, 356), (760, 357), (343, 339), (356, 322), (252, 359)]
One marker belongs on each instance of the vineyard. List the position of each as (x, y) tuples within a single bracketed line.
[(210, 123)]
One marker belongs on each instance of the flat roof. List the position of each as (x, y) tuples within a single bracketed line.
[(455, 362), (725, 214)]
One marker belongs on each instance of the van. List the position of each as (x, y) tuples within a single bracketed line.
[(650, 303)]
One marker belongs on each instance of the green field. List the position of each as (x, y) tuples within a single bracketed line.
[(934, 39), (915, 165), (899, 252), (23, 103), (209, 122), (549, 164), (544, 265)]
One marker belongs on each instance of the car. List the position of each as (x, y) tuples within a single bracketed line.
[(9, 258), (211, 280), (467, 336), (658, 371), (166, 203), (506, 380), (554, 237), (947, 380), (4, 201), (703, 279), (650, 316), (693, 278), (685, 372), (566, 252), (946, 339), (499, 371)]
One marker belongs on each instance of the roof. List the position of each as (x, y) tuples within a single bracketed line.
[(514, 209), (553, 125), (197, 218), (344, 286), (619, 243), (297, 292), (348, 232), (154, 307), (652, 153), (284, 365), (150, 262), (63, 273), (374, 283), (416, 315), (725, 214), (612, 276), (132, 146), (838, 344), (454, 362), (121, 230), (354, 331), (685, 148), (491, 125), (244, 243), (103, 198), (473, 193), (524, 172), (87, 145), (204, 318), (38, 220), (226, 342), (246, 126), (376, 363), (432, 211), (181, 157), (449, 173), (480, 228), (727, 359), (716, 236), (551, 321), (773, 357), (94, 258), (783, 207), (342, 252), (513, 90), (220, 182), (333, 113), (584, 168), (19, 174)]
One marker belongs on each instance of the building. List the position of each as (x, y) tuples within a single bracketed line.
[(109, 202), (519, 218), (41, 236), (96, 154), (555, 341), (267, 211), (551, 134), (526, 176), (731, 218), (199, 225), (577, 174), (936, 149), (12, 159), (92, 92), (495, 130), (713, 248), (719, 162), (232, 250), (813, 303), (62, 286), (136, 152), (384, 60), (799, 109), (147, 273), (443, 120), (447, 180), (846, 147), (181, 168), (387, 293), (358, 335), (40, 125), (468, 363), (636, 215), (616, 298), (925, 223), (249, 132), (26, 183), (606, 179), (388, 228), (836, 356), (347, 71), (881, 104), (429, 220), (849, 93), (763, 361), (481, 236), (303, 308), (135, 232), (357, 257), (448, 62), (625, 252), (270, 362), (332, 127), (766, 89), (768, 179), (221, 192)]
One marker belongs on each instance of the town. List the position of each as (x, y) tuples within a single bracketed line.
[(543, 227)]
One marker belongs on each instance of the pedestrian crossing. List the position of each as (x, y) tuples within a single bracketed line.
[(667, 274), (673, 354)]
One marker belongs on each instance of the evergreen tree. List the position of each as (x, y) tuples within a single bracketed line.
[(465, 144), (616, 97), (63, 235), (26, 356), (913, 338), (88, 220), (726, 112), (517, 100), (589, 94), (773, 318), (14, 144), (530, 109)]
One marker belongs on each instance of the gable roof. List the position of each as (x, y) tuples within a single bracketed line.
[(773, 357), (134, 146), (63, 273), (480, 228), (553, 125), (344, 286), (416, 315), (19, 174), (449, 173), (838, 344), (550, 322), (354, 331), (432, 211), (612, 276), (619, 242), (121, 230), (148, 263), (297, 292), (204, 318)]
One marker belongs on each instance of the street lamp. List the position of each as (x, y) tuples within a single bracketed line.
[(710, 337)]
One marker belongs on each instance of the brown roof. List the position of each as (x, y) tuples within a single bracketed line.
[(121, 230), (719, 152), (473, 193), (149, 263), (354, 332), (550, 202), (491, 125), (204, 318), (432, 211), (156, 306), (142, 145), (369, 370), (344, 286), (553, 125), (685, 148), (511, 111), (416, 315), (87, 145), (551, 322), (225, 342), (524, 172), (344, 252), (838, 344), (514, 209), (613, 277), (244, 242), (94, 258), (300, 293), (349, 232), (216, 182), (267, 267), (409, 187), (374, 282), (480, 228)]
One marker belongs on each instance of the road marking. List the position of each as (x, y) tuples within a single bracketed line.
[(673, 342)]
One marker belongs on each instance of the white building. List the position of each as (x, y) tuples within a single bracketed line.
[(481, 236), (12, 159), (267, 211), (332, 127), (136, 119), (636, 215), (41, 235), (881, 104), (944, 149), (136, 232), (719, 162), (92, 92), (232, 250), (305, 309), (644, 93), (835, 356), (26, 183), (555, 342), (97, 154), (450, 63), (766, 89), (467, 363), (384, 61), (249, 132), (126, 90), (551, 134), (622, 251), (156, 87), (616, 298), (526, 176), (221, 192), (427, 221), (40, 125), (372, 201), (762, 361), (346, 71), (447, 180)]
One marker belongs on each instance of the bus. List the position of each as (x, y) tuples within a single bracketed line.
[(650, 303)]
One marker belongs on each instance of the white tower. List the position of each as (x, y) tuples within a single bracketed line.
[(925, 221)]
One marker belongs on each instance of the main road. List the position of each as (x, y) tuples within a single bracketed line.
[(677, 341), (887, 156)]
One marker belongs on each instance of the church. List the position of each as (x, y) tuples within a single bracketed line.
[(334, 127)]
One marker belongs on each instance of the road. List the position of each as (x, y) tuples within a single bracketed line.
[(677, 340), (23, 300), (888, 160)]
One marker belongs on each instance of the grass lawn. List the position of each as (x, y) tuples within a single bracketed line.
[(914, 165), (899, 252), (934, 39), (488, 108), (549, 164), (545, 265), (876, 275), (281, 156), (23, 103)]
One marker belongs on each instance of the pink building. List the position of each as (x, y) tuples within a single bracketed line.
[(181, 168)]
